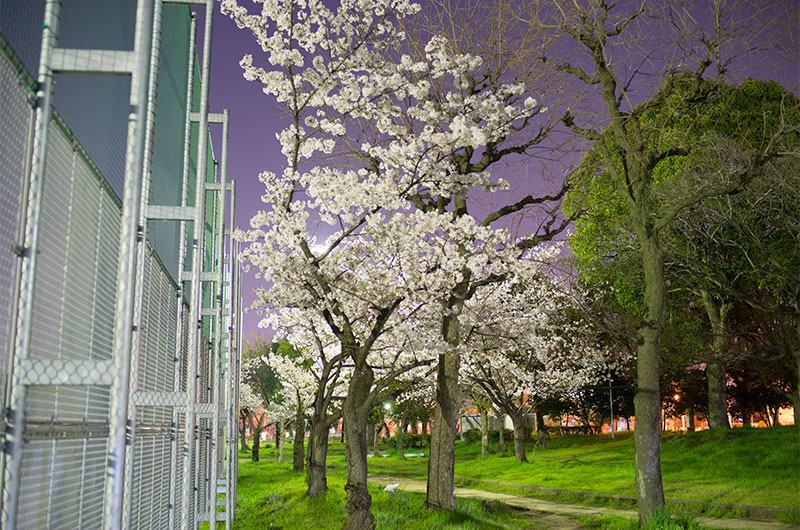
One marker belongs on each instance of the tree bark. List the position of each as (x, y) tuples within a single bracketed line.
[(356, 414), (317, 458), (501, 438), (256, 429), (519, 437), (441, 463), (279, 439), (400, 437), (716, 370), (484, 434), (690, 419), (298, 451), (376, 438), (254, 455), (243, 430), (796, 391), (541, 443), (647, 401)]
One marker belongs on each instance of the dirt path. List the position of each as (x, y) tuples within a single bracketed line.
[(561, 516)]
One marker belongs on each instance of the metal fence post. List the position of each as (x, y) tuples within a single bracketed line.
[(28, 252), (141, 251), (181, 281), (233, 379), (120, 428), (216, 353), (195, 298)]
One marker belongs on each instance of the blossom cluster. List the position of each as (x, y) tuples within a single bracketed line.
[(380, 153)]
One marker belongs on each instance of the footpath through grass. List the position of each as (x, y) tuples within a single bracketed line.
[(743, 466)]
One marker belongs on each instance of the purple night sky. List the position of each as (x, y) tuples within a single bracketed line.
[(252, 146), (254, 120)]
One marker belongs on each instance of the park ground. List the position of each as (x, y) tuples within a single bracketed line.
[(744, 478)]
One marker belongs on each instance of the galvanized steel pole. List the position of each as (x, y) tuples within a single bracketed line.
[(195, 302), (187, 146), (120, 428), (28, 254)]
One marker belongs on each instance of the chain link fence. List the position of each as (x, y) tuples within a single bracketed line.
[(118, 286)]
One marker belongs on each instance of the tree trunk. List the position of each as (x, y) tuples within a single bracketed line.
[(356, 413), (690, 419), (298, 451), (647, 401), (279, 439), (376, 437), (796, 391), (254, 455), (519, 437), (775, 419), (243, 432), (716, 370), (256, 430), (371, 435), (501, 437), (400, 435), (484, 434), (441, 463), (541, 443), (317, 458)]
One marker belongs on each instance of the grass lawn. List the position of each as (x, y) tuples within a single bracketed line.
[(270, 495), (740, 466)]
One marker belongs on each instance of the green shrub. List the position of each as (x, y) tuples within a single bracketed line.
[(508, 435), (472, 435), (416, 441)]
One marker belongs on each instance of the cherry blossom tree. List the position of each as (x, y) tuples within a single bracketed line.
[(528, 343), (253, 400), (324, 362), (249, 405), (299, 387), (396, 203)]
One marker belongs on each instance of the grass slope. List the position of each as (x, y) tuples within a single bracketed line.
[(740, 466), (270, 495), (743, 466)]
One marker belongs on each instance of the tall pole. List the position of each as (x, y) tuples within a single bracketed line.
[(120, 426), (13, 443)]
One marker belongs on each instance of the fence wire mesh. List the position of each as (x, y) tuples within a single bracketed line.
[(59, 476)]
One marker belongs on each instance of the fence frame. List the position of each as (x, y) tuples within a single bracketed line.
[(121, 373)]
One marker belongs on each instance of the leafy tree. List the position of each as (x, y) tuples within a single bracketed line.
[(760, 226), (644, 130), (260, 381), (734, 120)]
